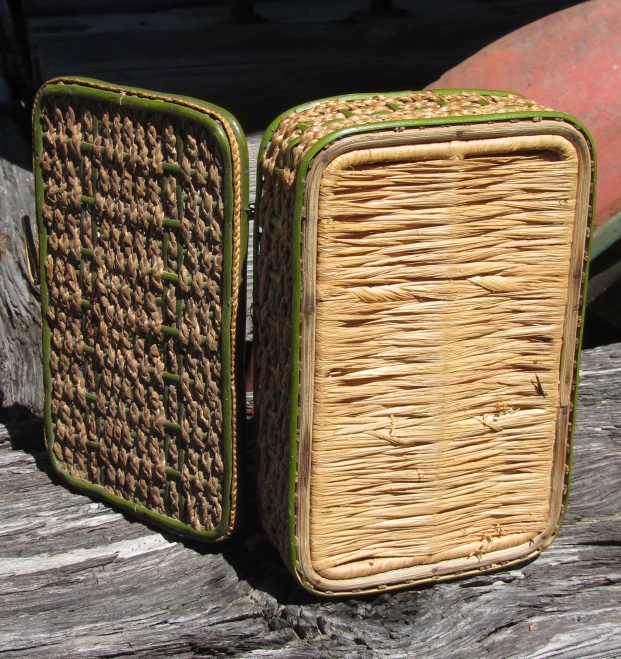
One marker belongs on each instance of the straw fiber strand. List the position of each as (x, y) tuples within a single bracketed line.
[(134, 215), (440, 301)]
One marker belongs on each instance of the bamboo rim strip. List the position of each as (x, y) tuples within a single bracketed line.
[(441, 289)]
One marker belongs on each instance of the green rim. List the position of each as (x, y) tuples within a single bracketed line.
[(155, 103), (297, 266)]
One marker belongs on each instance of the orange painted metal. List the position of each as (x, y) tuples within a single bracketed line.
[(570, 61)]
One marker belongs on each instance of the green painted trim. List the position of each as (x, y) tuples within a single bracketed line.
[(607, 235), (157, 104), (235, 125), (226, 338), (297, 234)]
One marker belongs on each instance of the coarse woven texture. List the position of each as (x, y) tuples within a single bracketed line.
[(275, 301), (441, 295), (134, 213), (273, 307), (298, 131)]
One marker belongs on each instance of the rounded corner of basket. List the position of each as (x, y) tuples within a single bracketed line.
[(46, 87), (576, 123), (307, 584), (56, 464), (306, 576), (226, 529), (42, 92)]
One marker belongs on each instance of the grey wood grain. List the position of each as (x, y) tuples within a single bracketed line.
[(21, 382), (80, 580)]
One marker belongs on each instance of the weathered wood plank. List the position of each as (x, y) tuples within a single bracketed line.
[(80, 580), (21, 382)]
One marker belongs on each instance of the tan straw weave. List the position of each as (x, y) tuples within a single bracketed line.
[(441, 292)]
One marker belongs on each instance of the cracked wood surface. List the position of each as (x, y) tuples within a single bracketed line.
[(21, 380), (80, 580)]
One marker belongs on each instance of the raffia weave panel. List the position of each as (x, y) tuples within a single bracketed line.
[(440, 301), (295, 135)]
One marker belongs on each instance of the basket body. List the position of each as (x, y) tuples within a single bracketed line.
[(141, 244), (419, 293)]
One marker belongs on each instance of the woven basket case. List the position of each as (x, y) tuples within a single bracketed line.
[(141, 240), (419, 293)]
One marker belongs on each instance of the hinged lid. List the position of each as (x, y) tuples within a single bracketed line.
[(140, 202)]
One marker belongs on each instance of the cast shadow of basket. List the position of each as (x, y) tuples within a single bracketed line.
[(248, 552), (24, 432)]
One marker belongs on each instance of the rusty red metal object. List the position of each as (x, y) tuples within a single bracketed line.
[(570, 61)]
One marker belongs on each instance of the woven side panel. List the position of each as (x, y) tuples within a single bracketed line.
[(441, 294), (134, 214), (272, 309)]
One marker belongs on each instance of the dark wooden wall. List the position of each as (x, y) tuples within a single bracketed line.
[(295, 51)]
